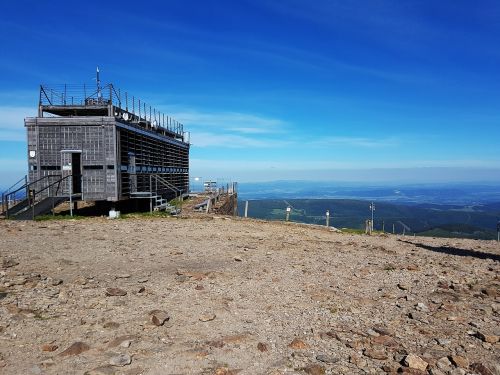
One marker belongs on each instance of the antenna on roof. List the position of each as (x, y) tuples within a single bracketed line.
[(99, 95)]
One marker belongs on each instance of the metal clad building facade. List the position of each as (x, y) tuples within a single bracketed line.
[(108, 148)]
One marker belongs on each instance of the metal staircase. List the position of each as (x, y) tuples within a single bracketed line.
[(31, 199), (157, 191)]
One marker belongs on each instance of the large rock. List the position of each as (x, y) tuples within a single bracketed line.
[(459, 361), (113, 292), (376, 353), (8, 263), (159, 317), (120, 360), (75, 349), (414, 361), (297, 344)]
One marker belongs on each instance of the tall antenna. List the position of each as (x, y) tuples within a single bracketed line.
[(99, 95)]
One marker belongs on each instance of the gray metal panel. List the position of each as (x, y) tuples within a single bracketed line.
[(103, 155)]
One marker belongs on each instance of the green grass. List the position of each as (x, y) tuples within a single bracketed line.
[(137, 215), (59, 217), (359, 231)]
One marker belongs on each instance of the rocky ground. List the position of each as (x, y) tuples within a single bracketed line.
[(216, 295)]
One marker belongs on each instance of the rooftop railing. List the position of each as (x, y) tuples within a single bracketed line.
[(129, 108)]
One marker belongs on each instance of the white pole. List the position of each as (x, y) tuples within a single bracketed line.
[(71, 195), (372, 208), (246, 208), (327, 218)]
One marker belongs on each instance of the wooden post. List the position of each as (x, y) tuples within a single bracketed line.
[(246, 208)]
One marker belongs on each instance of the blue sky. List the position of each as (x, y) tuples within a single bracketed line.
[(367, 91)]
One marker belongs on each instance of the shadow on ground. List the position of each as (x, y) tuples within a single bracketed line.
[(449, 250)]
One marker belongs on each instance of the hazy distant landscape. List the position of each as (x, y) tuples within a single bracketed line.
[(458, 210)]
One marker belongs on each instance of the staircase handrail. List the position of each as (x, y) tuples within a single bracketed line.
[(26, 186), (33, 202), (167, 183), (14, 185), (32, 183), (8, 190)]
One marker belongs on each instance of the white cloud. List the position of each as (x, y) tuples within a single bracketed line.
[(230, 121), (12, 122), (230, 129), (357, 142), (225, 140)]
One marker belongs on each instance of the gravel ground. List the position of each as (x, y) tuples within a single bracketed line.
[(218, 295)]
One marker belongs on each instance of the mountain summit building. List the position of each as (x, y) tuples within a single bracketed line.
[(102, 145)]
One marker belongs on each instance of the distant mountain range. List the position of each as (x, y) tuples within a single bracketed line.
[(460, 194), (460, 210)]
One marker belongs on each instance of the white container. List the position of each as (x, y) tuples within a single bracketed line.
[(114, 214)]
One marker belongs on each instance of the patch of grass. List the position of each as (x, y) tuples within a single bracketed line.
[(138, 215), (352, 231), (59, 217), (361, 231)]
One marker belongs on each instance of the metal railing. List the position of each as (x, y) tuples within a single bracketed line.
[(11, 199), (131, 108), (8, 199), (82, 95), (33, 193)]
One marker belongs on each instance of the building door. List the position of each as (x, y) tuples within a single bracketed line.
[(72, 165), (76, 170)]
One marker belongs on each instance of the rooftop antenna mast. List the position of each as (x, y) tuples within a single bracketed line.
[(99, 94)]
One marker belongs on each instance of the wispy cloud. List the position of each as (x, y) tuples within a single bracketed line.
[(12, 122), (226, 140), (234, 121), (357, 142), (231, 129)]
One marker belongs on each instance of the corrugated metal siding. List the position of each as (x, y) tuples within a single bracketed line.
[(105, 159)]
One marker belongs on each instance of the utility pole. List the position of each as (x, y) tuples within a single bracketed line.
[(372, 208)]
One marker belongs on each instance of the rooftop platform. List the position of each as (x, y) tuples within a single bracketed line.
[(82, 101)]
